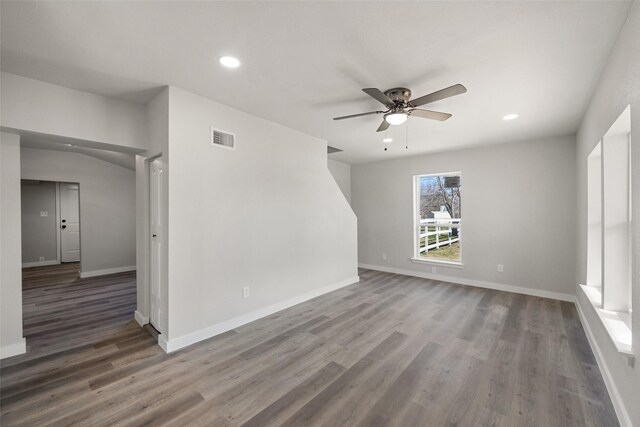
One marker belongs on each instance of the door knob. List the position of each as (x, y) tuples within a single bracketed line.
[(64, 220), (64, 226), (154, 235)]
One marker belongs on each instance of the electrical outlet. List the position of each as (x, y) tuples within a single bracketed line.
[(245, 292), (384, 257), (41, 259), (434, 270), (500, 268)]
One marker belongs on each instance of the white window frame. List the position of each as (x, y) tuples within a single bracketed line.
[(416, 223), (612, 304)]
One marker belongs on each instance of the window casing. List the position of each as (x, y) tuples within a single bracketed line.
[(608, 284), (438, 218)]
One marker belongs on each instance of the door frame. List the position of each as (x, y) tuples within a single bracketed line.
[(58, 220), (150, 259), (58, 217), (143, 244)]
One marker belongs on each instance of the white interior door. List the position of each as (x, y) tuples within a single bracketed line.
[(69, 222), (156, 223)]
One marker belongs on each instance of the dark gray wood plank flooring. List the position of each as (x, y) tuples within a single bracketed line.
[(391, 350)]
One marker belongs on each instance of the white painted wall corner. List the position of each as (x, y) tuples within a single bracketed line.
[(203, 334)]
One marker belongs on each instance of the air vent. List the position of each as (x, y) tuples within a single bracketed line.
[(224, 139)]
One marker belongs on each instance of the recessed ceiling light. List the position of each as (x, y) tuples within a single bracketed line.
[(510, 117), (69, 145), (229, 61), (387, 140)]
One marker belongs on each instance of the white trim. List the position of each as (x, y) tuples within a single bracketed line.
[(84, 274), (164, 344), (436, 262), (614, 394), (58, 237), (40, 263), (477, 283), (142, 320), (13, 349), (616, 323), (194, 337)]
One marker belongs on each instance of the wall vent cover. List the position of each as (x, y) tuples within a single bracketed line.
[(224, 139)]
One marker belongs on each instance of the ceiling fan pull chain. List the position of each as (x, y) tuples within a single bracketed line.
[(406, 137), (386, 138)]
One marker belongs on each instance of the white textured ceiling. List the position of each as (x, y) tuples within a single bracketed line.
[(306, 62)]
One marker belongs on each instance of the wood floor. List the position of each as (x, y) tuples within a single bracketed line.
[(61, 311), (391, 350)]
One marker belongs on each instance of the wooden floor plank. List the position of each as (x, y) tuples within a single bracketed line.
[(392, 350)]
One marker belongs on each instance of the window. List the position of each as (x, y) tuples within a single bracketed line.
[(608, 231), (438, 216), (594, 217)]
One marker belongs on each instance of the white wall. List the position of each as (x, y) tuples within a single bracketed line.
[(107, 204), (39, 233), (341, 172), (517, 203), (11, 339), (617, 88), (36, 106), (267, 215)]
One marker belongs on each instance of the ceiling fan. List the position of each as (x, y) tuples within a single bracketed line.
[(399, 106)]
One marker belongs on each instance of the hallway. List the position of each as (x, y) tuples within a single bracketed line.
[(62, 311)]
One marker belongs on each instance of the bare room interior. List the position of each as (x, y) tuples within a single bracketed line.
[(319, 213)]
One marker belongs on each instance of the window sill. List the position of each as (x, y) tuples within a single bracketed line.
[(452, 264), (616, 323)]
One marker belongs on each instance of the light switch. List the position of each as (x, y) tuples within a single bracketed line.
[(44, 213)]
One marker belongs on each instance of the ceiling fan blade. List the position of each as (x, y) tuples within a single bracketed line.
[(378, 96), (383, 126), (437, 96), (428, 114), (357, 115)]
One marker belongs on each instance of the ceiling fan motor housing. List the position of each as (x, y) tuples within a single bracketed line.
[(400, 95)]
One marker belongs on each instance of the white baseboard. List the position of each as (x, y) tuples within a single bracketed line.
[(13, 349), (211, 331), (614, 394), (477, 283), (164, 344), (40, 263), (84, 274), (142, 320)]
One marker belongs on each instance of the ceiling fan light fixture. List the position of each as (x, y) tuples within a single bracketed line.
[(396, 118)]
